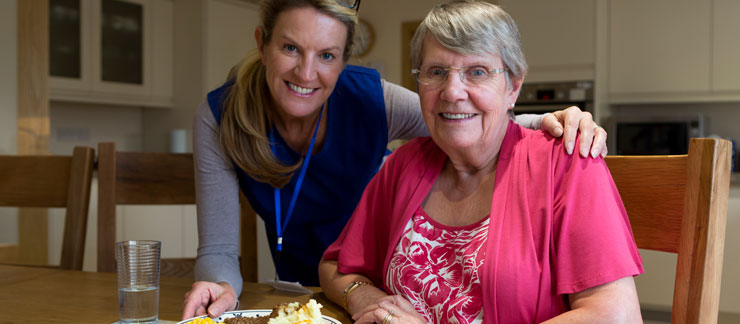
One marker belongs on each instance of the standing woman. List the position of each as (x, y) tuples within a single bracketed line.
[(301, 133)]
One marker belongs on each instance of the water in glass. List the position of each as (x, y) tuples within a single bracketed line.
[(138, 304)]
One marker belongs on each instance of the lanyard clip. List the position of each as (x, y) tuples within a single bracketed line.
[(280, 243)]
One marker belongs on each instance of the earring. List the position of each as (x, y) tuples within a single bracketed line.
[(512, 105)]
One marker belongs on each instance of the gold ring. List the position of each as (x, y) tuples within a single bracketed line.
[(388, 318)]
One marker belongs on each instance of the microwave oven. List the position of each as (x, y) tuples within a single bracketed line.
[(654, 134)]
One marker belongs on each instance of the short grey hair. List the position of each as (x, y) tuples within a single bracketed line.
[(473, 27)]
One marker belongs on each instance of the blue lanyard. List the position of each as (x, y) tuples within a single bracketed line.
[(299, 182)]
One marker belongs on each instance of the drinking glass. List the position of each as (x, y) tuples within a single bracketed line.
[(138, 280)]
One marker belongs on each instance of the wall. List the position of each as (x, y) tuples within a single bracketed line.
[(85, 124), (229, 37), (8, 104), (186, 82)]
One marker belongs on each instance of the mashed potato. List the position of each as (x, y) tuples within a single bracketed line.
[(294, 313)]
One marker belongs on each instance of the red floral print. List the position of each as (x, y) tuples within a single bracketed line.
[(436, 268)]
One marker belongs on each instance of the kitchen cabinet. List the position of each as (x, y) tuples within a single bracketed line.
[(673, 51), (558, 47), (111, 51), (659, 47), (726, 46)]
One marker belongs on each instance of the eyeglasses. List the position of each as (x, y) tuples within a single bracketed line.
[(352, 4), (470, 75)]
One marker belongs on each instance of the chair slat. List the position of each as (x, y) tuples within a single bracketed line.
[(154, 178), (78, 205), (652, 189), (31, 181)]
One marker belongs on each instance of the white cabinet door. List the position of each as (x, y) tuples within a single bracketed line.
[(113, 51), (70, 28), (121, 42), (558, 37), (726, 54), (659, 46)]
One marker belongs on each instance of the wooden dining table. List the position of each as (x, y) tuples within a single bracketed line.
[(30, 294)]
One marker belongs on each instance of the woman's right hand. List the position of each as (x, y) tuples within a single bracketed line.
[(208, 298), (400, 309)]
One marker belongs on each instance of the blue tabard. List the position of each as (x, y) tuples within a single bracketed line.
[(355, 142)]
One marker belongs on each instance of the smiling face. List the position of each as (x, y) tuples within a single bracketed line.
[(303, 60), (459, 115)]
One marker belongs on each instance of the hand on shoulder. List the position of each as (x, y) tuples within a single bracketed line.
[(568, 123)]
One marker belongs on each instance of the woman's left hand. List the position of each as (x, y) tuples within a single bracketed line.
[(392, 309), (567, 122)]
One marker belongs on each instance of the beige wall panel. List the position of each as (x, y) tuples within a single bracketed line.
[(8, 105), (162, 53), (189, 245), (558, 46), (9, 77), (659, 46), (161, 223), (726, 59), (230, 35)]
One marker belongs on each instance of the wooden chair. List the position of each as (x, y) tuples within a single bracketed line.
[(135, 178), (678, 204), (49, 181)]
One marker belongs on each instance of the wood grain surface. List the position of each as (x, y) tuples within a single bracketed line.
[(31, 294), (33, 119)]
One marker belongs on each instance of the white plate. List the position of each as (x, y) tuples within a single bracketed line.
[(254, 313)]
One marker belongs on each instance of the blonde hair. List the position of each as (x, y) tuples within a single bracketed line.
[(246, 112), (473, 27)]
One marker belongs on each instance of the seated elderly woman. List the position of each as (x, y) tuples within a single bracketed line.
[(485, 221)]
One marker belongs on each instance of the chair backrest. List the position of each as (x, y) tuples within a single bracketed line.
[(51, 181), (136, 178), (678, 204)]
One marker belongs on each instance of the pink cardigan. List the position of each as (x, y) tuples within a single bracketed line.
[(557, 224)]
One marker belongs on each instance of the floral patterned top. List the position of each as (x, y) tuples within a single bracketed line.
[(436, 267)]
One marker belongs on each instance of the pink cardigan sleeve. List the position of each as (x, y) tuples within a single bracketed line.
[(592, 235)]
